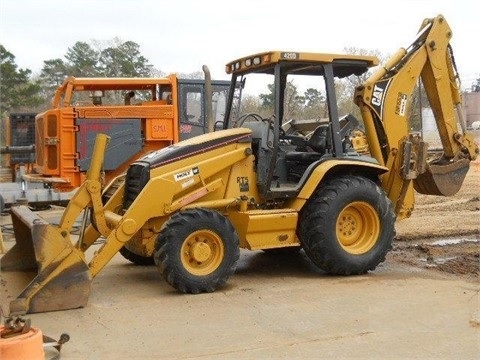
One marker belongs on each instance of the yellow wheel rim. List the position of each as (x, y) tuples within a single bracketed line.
[(358, 227), (202, 252)]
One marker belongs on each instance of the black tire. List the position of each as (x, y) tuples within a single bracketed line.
[(135, 258), (347, 226), (290, 250), (197, 250)]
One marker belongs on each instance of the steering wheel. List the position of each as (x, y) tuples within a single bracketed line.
[(244, 117), (297, 140)]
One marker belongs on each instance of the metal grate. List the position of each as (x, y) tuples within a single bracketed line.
[(22, 133)]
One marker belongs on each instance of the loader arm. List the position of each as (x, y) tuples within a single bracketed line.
[(61, 278), (384, 100)]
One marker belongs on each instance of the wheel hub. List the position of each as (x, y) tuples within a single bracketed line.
[(200, 251), (349, 226), (358, 227)]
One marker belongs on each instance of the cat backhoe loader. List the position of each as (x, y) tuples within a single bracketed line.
[(190, 207)]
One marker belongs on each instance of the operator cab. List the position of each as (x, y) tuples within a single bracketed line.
[(298, 117)]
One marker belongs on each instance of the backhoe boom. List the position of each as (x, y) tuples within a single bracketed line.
[(384, 101)]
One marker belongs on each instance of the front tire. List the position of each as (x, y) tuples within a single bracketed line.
[(197, 250), (348, 225)]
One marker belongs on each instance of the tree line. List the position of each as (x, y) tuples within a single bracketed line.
[(23, 91)]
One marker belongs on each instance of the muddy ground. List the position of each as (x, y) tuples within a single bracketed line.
[(443, 233)]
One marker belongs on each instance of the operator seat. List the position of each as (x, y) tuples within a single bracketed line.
[(319, 142), (320, 139)]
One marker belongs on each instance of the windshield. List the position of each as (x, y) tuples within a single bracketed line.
[(304, 103), (304, 98)]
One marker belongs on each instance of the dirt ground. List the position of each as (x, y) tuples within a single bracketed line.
[(422, 303), (443, 233)]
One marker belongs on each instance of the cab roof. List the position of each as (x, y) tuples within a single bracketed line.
[(302, 63)]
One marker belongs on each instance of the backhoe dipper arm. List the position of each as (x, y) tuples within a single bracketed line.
[(384, 100)]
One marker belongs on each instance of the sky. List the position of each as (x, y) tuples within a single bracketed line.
[(182, 35)]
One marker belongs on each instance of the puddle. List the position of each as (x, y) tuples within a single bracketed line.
[(455, 255), (441, 261), (445, 242)]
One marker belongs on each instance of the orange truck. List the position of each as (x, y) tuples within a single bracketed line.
[(139, 114)]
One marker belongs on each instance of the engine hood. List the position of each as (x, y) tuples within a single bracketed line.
[(196, 145)]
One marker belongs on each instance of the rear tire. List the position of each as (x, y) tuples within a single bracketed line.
[(197, 250), (348, 225)]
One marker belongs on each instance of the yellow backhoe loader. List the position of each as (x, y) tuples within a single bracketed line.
[(190, 207)]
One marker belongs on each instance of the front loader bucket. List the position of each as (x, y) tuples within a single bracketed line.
[(444, 180), (49, 271)]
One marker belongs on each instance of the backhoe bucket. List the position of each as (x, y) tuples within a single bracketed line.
[(444, 180), (49, 271)]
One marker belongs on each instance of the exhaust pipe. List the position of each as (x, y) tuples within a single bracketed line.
[(208, 99)]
